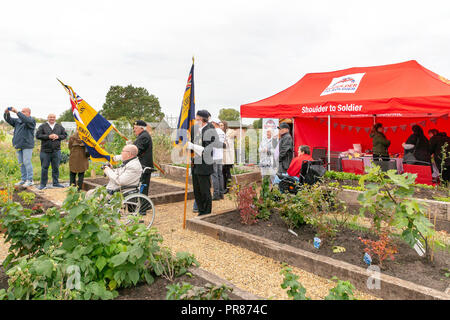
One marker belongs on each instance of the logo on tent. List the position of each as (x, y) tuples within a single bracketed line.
[(344, 84)]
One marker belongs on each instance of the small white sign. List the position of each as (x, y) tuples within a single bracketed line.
[(344, 84), (419, 248)]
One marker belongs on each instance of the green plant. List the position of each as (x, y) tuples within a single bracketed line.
[(444, 199), (342, 291), (89, 243), (389, 201), (264, 203), (186, 291), (27, 197), (295, 289), (170, 267), (244, 198)]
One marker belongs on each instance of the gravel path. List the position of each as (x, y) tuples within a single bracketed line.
[(245, 269)]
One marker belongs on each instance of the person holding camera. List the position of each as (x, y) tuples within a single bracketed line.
[(23, 141), (51, 134), (128, 174)]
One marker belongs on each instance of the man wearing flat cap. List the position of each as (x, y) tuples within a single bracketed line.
[(286, 148), (204, 137)]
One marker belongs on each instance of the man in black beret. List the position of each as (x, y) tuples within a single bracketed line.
[(204, 137)]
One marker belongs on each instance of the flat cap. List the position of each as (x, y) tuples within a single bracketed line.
[(141, 123)]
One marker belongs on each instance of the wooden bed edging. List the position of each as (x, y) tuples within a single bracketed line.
[(391, 288)]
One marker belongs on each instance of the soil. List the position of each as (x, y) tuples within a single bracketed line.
[(38, 199), (155, 291), (158, 290), (418, 192), (407, 264), (156, 188)]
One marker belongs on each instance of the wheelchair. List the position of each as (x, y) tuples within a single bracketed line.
[(310, 173), (135, 202)]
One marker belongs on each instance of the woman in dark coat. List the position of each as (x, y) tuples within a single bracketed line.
[(78, 160), (419, 146), (380, 143)]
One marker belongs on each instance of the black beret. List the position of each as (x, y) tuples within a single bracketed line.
[(141, 123), (203, 114)]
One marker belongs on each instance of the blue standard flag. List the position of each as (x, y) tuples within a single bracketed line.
[(187, 113)]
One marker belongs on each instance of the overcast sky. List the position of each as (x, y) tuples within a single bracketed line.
[(244, 50)]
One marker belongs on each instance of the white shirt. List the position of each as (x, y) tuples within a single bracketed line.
[(218, 152), (51, 125)]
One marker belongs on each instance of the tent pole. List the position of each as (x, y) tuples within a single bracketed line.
[(240, 140), (329, 142)]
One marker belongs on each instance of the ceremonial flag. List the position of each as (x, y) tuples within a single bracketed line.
[(187, 113), (92, 127)]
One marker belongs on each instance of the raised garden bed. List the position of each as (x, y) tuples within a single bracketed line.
[(158, 290), (160, 193), (408, 277)]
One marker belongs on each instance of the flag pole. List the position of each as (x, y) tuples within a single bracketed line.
[(188, 153)]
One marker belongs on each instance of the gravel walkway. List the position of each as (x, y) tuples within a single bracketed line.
[(245, 269)]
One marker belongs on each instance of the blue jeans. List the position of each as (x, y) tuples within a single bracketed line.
[(26, 168), (48, 158), (217, 181)]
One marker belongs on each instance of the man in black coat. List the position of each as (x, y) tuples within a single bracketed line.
[(51, 134), (144, 144), (204, 137), (286, 148)]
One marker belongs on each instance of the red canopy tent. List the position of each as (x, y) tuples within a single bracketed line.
[(338, 108)]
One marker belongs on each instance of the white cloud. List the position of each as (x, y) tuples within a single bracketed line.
[(245, 50)]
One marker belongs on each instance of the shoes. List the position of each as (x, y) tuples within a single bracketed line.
[(194, 209), (58, 185), (20, 183), (226, 191), (29, 183), (216, 198), (41, 187)]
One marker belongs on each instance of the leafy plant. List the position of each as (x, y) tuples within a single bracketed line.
[(27, 197), (186, 291), (295, 289), (389, 201), (265, 202), (244, 198), (170, 267), (382, 248), (342, 291)]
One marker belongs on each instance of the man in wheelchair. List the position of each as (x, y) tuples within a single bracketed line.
[(303, 169), (127, 176)]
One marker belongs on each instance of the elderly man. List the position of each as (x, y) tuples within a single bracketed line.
[(128, 174), (286, 148), (51, 134), (23, 141)]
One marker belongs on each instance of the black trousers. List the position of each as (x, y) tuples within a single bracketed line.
[(48, 158), (202, 193), (226, 175), (73, 176), (146, 180)]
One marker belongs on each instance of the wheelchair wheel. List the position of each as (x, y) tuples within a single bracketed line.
[(134, 204)]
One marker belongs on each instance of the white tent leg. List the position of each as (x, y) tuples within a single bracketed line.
[(240, 140), (329, 141)]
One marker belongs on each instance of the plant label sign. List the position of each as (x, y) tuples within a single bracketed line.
[(367, 259), (419, 248), (317, 242)]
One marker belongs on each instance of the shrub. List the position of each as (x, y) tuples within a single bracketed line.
[(382, 248), (27, 197), (186, 291), (342, 291), (295, 289), (247, 210)]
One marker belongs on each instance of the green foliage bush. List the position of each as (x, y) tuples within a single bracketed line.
[(186, 291), (87, 254)]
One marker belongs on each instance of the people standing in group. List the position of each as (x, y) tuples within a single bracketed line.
[(228, 154), (78, 160), (51, 134), (205, 138), (286, 148), (437, 142), (380, 143), (417, 148), (217, 176), (23, 141)]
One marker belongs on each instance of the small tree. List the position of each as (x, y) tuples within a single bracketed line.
[(229, 114)]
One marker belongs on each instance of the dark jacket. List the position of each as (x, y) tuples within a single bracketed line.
[(23, 130), (436, 143), (286, 152), (421, 148), (48, 145), (144, 144), (380, 144), (208, 139)]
